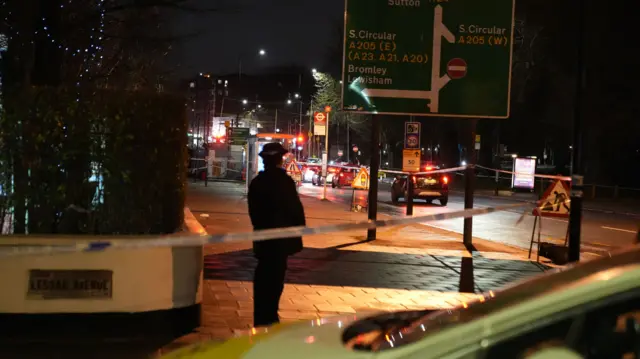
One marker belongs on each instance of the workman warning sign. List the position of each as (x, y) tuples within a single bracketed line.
[(294, 171), (555, 201), (361, 181)]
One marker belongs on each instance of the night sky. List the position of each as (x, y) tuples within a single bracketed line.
[(291, 31)]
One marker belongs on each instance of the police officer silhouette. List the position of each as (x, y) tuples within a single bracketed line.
[(273, 203)]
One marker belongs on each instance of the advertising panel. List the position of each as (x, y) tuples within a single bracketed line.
[(524, 176)]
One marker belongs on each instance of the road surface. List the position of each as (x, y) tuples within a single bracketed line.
[(601, 232)]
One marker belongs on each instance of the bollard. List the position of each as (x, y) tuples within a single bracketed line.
[(409, 195)]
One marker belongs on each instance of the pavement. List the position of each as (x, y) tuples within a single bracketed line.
[(601, 232), (407, 267)]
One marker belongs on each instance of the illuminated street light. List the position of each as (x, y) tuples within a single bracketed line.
[(288, 102), (259, 106), (313, 71), (296, 95), (262, 52), (244, 102)]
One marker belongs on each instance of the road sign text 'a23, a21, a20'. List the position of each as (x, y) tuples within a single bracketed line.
[(428, 57)]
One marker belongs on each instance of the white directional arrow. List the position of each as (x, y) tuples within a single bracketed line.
[(426, 95)]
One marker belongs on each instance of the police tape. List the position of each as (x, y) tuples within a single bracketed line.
[(193, 169), (444, 170), (240, 237), (561, 178)]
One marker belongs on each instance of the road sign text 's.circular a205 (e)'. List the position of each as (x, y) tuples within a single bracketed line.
[(431, 58)]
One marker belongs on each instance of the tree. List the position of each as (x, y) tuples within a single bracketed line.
[(56, 47), (328, 93)]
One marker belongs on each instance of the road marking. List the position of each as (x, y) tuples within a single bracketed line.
[(618, 229), (557, 220)]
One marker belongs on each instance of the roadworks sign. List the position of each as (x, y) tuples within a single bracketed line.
[(361, 181), (555, 201)]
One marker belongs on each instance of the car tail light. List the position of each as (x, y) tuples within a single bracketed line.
[(342, 175), (445, 179), (413, 178)]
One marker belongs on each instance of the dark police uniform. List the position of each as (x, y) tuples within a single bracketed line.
[(273, 203)]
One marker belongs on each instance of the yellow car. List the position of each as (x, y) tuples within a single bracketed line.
[(589, 311)]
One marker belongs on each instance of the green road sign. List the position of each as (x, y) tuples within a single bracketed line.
[(428, 57), (238, 135)]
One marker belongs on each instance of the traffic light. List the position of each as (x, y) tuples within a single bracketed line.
[(300, 139)]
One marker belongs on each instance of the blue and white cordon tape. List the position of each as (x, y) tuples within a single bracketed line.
[(239, 237)]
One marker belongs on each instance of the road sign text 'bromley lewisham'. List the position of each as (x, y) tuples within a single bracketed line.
[(428, 57)]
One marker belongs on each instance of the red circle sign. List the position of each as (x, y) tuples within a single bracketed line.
[(355, 148), (457, 68), (412, 141), (320, 117)]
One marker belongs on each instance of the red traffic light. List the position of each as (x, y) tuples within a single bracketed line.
[(300, 139)]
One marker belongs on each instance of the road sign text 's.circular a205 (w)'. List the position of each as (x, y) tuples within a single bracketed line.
[(457, 68), (412, 141)]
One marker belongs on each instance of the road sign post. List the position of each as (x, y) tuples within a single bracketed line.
[(325, 158), (577, 179), (411, 159), (469, 183), (430, 58), (373, 175), (410, 163)]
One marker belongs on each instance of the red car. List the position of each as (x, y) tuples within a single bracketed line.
[(318, 179), (344, 177)]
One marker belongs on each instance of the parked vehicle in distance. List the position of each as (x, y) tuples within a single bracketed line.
[(426, 187), (344, 177)]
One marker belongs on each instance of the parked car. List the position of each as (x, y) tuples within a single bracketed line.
[(426, 187), (318, 179), (343, 177)]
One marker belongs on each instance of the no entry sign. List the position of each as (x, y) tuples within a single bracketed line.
[(457, 68)]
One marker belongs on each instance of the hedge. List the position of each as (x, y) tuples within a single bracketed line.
[(108, 163)]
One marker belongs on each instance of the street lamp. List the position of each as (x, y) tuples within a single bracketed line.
[(288, 102), (313, 71), (262, 52), (259, 106), (244, 102), (296, 95)]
